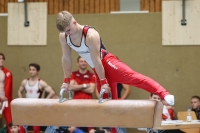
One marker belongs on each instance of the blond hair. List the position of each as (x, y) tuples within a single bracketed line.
[(63, 20)]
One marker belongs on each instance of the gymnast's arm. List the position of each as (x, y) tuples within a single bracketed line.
[(97, 93), (66, 56), (93, 42), (47, 88), (21, 88), (76, 87), (127, 91)]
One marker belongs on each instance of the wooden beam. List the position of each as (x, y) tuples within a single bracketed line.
[(66, 5), (146, 5), (6, 6), (87, 6), (61, 5), (91, 6), (71, 6), (112, 5), (50, 7), (2, 6), (97, 8), (158, 4), (152, 6), (107, 6), (56, 7), (117, 5), (81, 6), (76, 6), (102, 6)]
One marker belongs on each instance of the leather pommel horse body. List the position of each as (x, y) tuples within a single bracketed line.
[(87, 113)]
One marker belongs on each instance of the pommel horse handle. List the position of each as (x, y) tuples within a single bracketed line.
[(61, 99), (101, 100), (4, 105)]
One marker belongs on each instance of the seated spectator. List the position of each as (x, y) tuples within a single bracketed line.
[(33, 88), (55, 129), (168, 111), (14, 128), (74, 130), (195, 105), (103, 130), (82, 83)]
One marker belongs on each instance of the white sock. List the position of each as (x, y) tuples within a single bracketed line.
[(169, 99)]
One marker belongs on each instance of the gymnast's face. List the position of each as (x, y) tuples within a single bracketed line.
[(72, 28), (82, 64), (155, 97), (1, 60), (14, 129), (195, 103), (33, 71)]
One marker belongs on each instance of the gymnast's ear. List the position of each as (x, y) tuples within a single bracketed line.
[(74, 22)]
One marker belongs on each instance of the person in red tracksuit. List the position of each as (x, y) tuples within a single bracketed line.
[(5, 90), (82, 83), (109, 70)]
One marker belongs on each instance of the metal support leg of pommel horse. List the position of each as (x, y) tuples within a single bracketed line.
[(150, 130), (112, 113)]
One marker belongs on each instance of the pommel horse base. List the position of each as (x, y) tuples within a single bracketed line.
[(86, 113)]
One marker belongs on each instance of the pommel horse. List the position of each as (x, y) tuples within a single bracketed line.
[(87, 113)]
